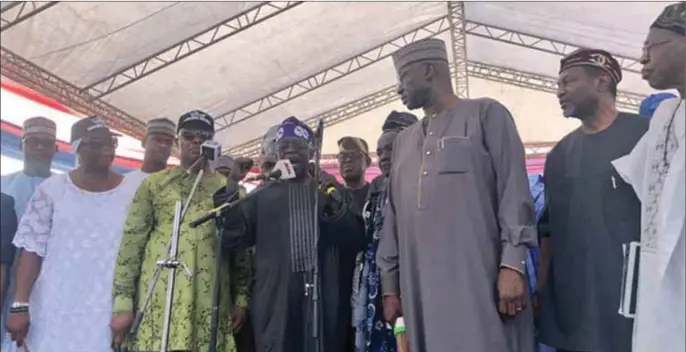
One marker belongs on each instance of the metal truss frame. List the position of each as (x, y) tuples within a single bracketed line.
[(256, 107), (331, 117), (626, 100), (188, 46), (30, 75), (20, 11), (551, 46), (324, 77), (458, 38)]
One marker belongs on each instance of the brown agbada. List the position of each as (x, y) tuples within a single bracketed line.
[(459, 208)]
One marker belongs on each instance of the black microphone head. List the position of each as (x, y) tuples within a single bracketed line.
[(275, 174)]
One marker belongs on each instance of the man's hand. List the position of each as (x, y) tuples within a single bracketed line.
[(511, 292), (120, 325), (392, 308), (242, 166), (326, 181), (18, 327), (238, 317)]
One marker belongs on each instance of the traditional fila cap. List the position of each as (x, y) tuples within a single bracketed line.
[(161, 126), (430, 49), (594, 58), (39, 126)]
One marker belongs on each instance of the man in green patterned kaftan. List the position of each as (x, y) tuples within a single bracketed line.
[(146, 235)]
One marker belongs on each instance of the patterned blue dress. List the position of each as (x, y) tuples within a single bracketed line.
[(372, 334)]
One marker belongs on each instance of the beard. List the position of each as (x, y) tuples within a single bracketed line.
[(581, 111)]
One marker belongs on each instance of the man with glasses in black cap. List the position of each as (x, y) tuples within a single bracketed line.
[(146, 235), (656, 170)]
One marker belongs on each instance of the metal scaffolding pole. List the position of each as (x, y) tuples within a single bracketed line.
[(30, 75), (188, 47), (458, 38), (324, 77), (625, 100), (20, 11)]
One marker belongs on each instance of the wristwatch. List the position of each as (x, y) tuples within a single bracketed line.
[(19, 307)]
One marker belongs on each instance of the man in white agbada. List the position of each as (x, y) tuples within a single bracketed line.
[(655, 169), (69, 238)]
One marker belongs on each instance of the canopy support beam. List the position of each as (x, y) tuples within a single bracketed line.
[(326, 76), (539, 43), (458, 38), (533, 81), (436, 27), (188, 47), (20, 11), (30, 75)]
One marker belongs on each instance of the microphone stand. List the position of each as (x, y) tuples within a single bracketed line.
[(314, 277), (216, 291), (171, 263)]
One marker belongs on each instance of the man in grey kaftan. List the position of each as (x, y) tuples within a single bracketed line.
[(459, 213)]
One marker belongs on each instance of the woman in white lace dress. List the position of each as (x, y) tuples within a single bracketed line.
[(69, 238)]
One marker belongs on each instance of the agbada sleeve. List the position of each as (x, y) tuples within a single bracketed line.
[(516, 215), (632, 167), (241, 277), (387, 255), (241, 269), (137, 228)]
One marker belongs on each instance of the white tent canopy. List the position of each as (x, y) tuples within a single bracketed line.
[(251, 64)]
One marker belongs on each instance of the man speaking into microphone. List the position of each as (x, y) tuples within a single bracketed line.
[(146, 236), (279, 221)]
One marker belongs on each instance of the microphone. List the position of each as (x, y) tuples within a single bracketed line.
[(332, 192), (274, 175)]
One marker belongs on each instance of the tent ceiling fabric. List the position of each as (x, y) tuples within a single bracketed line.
[(286, 51)]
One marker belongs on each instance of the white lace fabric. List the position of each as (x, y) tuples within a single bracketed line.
[(77, 233)]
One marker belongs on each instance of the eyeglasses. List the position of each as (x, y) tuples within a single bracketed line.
[(191, 135), (349, 155), (646, 48)]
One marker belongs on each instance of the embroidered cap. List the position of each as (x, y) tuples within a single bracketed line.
[(294, 128), (196, 119), (594, 58), (672, 18), (39, 126)]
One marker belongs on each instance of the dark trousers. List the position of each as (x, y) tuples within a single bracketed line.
[(245, 338)]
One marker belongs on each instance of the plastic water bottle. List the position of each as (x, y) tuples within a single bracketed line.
[(399, 331)]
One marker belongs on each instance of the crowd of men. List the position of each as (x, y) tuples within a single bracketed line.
[(440, 239)]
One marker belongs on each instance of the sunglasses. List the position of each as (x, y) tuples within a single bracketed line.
[(191, 135)]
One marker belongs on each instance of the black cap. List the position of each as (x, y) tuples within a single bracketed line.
[(196, 119), (672, 18), (87, 125)]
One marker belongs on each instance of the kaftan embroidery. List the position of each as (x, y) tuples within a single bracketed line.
[(665, 149), (77, 233)]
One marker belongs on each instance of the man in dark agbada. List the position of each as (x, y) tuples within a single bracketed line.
[(279, 221), (590, 211)]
